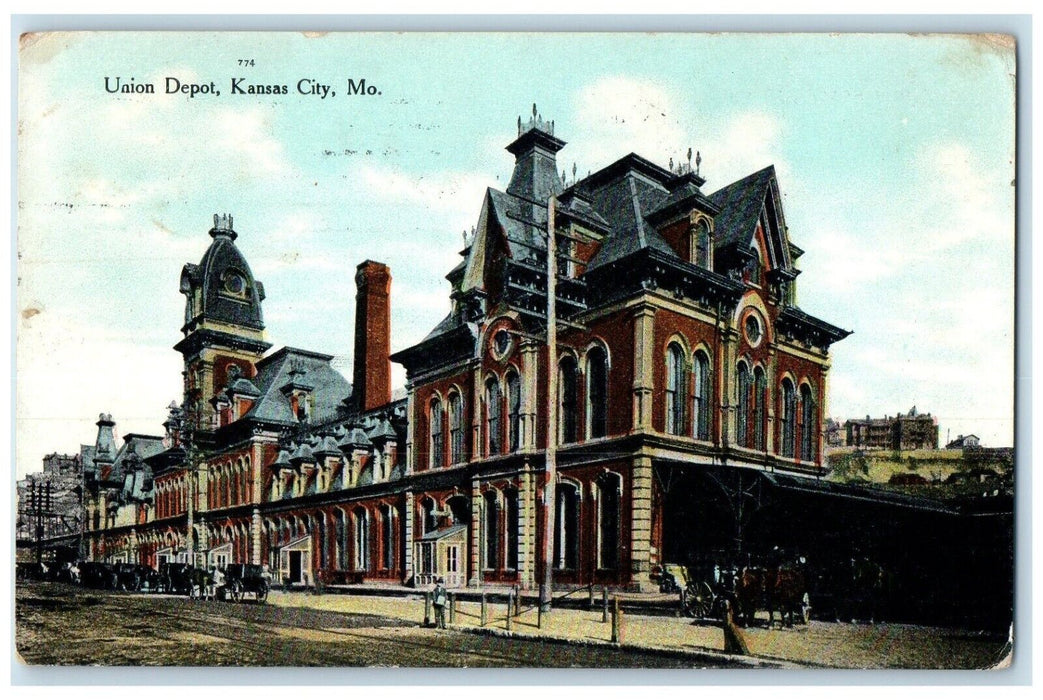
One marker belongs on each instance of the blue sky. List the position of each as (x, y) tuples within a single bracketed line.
[(895, 156)]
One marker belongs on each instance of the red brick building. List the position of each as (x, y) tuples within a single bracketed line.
[(683, 363)]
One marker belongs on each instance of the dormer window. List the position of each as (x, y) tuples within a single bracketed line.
[(300, 403), (700, 244)]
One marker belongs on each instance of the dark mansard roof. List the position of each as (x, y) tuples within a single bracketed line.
[(131, 458), (311, 371), (221, 299)]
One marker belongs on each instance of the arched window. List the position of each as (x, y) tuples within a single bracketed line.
[(460, 508), (324, 544), (567, 399), (675, 389), (742, 408), (609, 491), (387, 537), (510, 497), (490, 531), (597, 393), (513, 411), (566, 530), (701, 396), (760, 390), (436, 444), (808, 427), (493, 413), (342, 540), (428, 521), (233, 486), (788, 419), (361, 539), (755, 268), (701, 244), (456, 428)]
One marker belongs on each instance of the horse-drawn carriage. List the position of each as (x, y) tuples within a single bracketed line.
[(704, 590), (242, 580), (175, 577), (135, 577), (708, 589), (96, 574)]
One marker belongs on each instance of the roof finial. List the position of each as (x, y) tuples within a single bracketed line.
[(222, 222), (698, 160), (671, 163), (533, 110), (573, 171)]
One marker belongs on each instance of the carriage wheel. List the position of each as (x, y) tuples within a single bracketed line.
[(262, 592), (702, 601)]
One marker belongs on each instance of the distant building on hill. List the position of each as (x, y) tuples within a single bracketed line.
[(963, 441), (908, 431)]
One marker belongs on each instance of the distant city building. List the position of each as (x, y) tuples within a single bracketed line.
[(52, 499), (963, 441), (908, 431)]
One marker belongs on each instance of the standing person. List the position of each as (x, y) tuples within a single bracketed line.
[(217, 581), (440, 597)]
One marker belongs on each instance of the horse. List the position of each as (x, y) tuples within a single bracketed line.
[(750, 593), (868, 590), (202, 585), (786, 592)]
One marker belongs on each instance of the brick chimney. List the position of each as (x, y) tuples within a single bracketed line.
[(372, 377)]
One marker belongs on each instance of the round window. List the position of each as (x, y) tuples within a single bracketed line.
[(501, 343), (234, 283), (753, 329)]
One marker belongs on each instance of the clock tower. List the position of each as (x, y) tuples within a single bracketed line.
[(223, 324)]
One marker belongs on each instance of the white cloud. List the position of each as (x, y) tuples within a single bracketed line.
[(622, 114), (454, 193), (947, 198), (244, 134), (619, 114), (966, 199), (70, 370)]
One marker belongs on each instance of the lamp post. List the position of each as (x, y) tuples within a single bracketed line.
[(549, 488)]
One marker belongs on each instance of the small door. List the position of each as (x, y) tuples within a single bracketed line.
[(295, 567), (452, 566)]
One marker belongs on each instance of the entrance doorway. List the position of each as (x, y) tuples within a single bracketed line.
[(295, 567)]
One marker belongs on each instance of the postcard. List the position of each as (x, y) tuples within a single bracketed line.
[(597, 350)]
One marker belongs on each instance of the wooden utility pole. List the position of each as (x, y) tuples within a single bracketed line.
[(549, 495)]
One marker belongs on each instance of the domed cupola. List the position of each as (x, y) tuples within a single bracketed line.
[(221, 288)]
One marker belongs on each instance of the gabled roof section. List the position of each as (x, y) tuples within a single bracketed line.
[(522, 222), (330, 388), (740, 205)]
